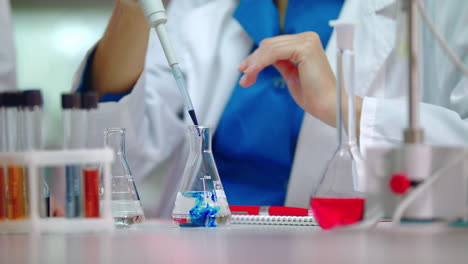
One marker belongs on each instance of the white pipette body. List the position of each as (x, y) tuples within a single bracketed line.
[(155, 13)]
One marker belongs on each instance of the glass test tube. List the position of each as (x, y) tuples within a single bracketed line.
[(21, 147), (72, 133), (16, 180), (33, 120), (90, 171), (3, 213)]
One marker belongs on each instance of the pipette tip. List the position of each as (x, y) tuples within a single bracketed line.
[(193, 116)]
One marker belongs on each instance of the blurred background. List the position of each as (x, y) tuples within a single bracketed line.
[(52, 37)]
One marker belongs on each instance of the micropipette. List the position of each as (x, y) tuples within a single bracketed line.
[(156, 16)]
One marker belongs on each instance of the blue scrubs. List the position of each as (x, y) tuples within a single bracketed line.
[(256, 138)]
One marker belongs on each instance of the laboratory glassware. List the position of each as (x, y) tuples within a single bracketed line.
[(33, 119), (126, 205), (339, 199), (72, 130), (90, 171), (33, 138), (2, 168), (16, 178), (201, 201)]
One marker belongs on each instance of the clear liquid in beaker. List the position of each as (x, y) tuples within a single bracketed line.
[(127, 212), (125, 206)]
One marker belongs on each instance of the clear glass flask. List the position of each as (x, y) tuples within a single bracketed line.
[(201, 201), (126, 205), (339, 199)]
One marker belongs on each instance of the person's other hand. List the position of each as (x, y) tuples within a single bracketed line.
[(304, 66)]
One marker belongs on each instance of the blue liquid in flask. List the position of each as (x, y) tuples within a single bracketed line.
[(200, 209)]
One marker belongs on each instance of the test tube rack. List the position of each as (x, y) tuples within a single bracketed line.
[(36, 160)]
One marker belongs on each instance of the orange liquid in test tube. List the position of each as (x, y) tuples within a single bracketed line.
[(2, 195), (91, 190), (16, 193)]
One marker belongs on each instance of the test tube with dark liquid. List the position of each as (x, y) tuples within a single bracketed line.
[(90, 171)]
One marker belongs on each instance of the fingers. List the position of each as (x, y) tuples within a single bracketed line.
[(289, 71), (294, 48), (242, 66), (269, 51)]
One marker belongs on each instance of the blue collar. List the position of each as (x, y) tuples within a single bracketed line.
[(260, 18)]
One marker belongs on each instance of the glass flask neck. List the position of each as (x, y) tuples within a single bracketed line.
[(200, 138), (115, 139), (339, 90)]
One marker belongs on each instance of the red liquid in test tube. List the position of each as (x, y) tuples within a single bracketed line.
[(91, 190), (334, 212)]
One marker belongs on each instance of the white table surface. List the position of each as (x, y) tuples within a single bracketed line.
[(159, 242)]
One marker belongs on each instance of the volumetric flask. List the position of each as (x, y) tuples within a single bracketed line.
[(338, 200), (201, 201), (126, 205)]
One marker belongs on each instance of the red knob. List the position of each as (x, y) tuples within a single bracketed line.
[(399, 183)]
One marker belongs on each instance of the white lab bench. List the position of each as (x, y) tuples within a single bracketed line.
[(161, 242)]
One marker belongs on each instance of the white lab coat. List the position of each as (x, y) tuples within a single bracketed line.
[(7, 49), (210, 44)]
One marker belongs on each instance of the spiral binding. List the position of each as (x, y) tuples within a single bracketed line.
[(274, 220)]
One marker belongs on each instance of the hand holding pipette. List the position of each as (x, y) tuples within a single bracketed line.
[(156, 16)]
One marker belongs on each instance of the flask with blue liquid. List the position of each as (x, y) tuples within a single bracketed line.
[(201, 201)]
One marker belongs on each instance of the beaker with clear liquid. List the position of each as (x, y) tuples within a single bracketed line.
[(339, 199), (126, 205), (201, 201)]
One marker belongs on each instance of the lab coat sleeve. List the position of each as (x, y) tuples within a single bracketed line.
[(7, 49), (152, 112), (384, 120), (444, 115)]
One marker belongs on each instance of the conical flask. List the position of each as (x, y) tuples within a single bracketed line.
[(126, 205), (201, 201), (339, 199)]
